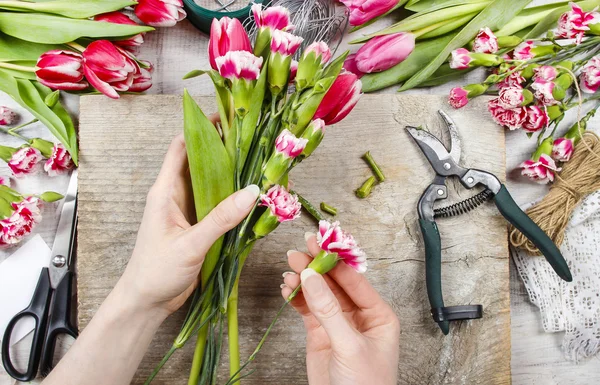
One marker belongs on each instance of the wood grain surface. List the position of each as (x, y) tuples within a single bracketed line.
[(122, 146)]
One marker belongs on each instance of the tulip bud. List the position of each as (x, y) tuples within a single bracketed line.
[(287, 147), (383, 52), (7, 116), (44, 146), (226, 34), (281, 207), (314, 134), (364, 11), (311, 64), (340, 99), (160, 13), (52, 98), (61, 70)]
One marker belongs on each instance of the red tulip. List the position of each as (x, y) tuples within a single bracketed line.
[(383, 52), (109, 68), (160, 13), (340, 99), (121, 18), (226, 35), (61, 70), (142, 80)]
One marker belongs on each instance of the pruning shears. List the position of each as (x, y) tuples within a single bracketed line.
[(447, 164)]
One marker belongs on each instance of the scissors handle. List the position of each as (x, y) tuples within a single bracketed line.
[(59, 321), (38, 310)]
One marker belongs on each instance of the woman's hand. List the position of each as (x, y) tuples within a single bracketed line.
[(352, 334), (169, 251)]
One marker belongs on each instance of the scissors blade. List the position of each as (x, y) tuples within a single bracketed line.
[(63, 243), (455, 143), (435, 152)]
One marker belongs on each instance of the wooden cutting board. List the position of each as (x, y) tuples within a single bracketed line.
[(122, 147)]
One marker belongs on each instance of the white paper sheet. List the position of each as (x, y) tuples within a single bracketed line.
[(19, 274)]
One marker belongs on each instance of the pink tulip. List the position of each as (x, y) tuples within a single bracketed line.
[(340, 99), (332, 239), (160, 13), (129, 44), (239, 65), (350, 65), (226, 35), (59, 162), (589, 79), (541, 170), (562, 149), (281, 203), (109, 68), (272, 17), (383, 52), (284, 43), (24, 161), (21, 222), (61, 70), (288, 145), (574, 23), (7, 116), (362, 11), (485, 41)]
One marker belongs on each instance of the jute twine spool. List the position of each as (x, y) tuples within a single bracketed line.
[(579, 177)]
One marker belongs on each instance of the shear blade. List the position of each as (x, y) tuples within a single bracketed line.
[(455, 144), (434, 150)]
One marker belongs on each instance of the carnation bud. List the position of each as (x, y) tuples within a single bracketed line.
[(528, 71), (307, 105), (52, 98), (509, 41), (278, 72), (311, 64), (265, 224), (44, 146), (554, 112), (51, 196), (314, 134), (324, 262)]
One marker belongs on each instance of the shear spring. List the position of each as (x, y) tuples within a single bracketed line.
[(463, 206)]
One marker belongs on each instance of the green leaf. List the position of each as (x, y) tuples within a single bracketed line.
[(448, 26), (6, 153), (550, 19), (210, 170), (13, 49), (251, 119), (193, 74), (30, 95), (427, 6), (51, 196), (423, 53), (49, 29), (75, 9), (494, 15), (443, 75), (528, 17)]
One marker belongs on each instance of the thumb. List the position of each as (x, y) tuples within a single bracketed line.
[(326, 308), (228, 214)]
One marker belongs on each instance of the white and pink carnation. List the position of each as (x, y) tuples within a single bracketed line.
[(7, 116), (332, 239), (537, 118), (320, 48), (514, 79), (460, 59), (272, 17), (458, 97), (283, 205), (485, 41), (239, 65), (545, 73), (574, 23), (543, 92), (22, 221), (511, 118), (523, 51), (540, 171), (285, 43), (59, 162), (23, 161), (4, 181), (511, 97), (562, 149), (589, 79), (289, 145)]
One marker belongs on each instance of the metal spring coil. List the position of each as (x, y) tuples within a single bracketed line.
[(463, 206)]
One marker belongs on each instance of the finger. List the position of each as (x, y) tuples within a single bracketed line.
[(354, 284), (298, 303), (220, 220), (174, 165), (292, 280), (327, 310)]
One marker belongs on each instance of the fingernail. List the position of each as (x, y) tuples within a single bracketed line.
[(312, 283), (307, 235), (287, 273), (290, 252), (282, 285), (247, 196)]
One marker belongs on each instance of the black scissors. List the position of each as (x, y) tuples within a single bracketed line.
[(50, 305), (446, 164)]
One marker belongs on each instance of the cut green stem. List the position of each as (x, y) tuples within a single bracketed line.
[(374, 166), (15, 134), (312, 210), (328, 209), (365, 190), (17, 128)]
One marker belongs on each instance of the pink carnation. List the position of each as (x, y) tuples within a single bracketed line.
[(514, 79), (510, 97), (543, 92), (589, 79), (282, 204), (537, 118), (458, 97), (540, 171), (25, 217), (460, 59), (512, 118), (289, 145), (7, 116), (332, 239), (574, 23), (485, 41), (59, 162), (545, 73), (23, 161), (272, 17), (562, 149), (523, 51), (239, 65), (284, 43)]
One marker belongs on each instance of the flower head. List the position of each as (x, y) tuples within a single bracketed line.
[(332, 239), (514, 79), (460, 59), (523, 51), (7, 116), (321, 49), (272, 17), (485, 41), (537, 118), (282, 204), (239, 65), (142, 80), (545, 73), (543, 91), (61, 70), (24, 160), (289, 145), (511, 118), (350, 66), (285, 43), (129, 44), (340, 99), (562, 149), (574, 23), (458, 97), (160, 13), (60, 162), (383, 52), (21, 222), (541, 170), (226, 34), (362, 11), (511, 97), (589, 79)]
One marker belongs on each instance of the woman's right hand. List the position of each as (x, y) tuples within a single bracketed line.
[(352, 333)]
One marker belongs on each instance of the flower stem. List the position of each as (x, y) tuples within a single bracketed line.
[(365, 190), (160, 365), (328, 209), (15, 134), (233, 330), (17, 128), (17, 67), (374, 166), (312, 210), (76, 46)]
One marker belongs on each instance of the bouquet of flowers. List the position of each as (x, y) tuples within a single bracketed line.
[(272, 116), (536, 82)]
